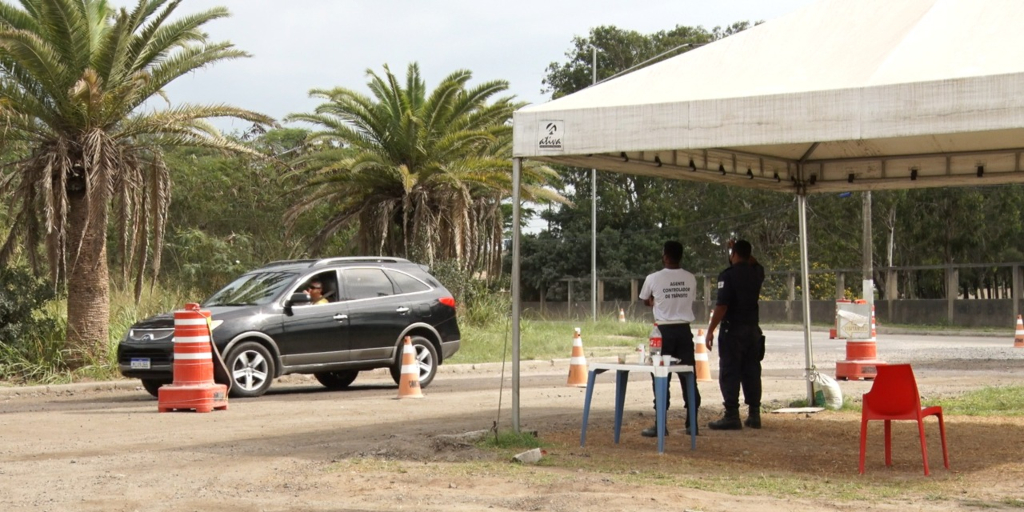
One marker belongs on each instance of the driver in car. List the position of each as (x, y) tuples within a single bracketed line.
[(316, 293)]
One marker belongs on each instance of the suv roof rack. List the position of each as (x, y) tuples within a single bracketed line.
[(280, 263), (359, 259)]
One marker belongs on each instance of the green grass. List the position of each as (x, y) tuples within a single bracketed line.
[(507, 440), (848, 404), (548, 339), (989, 401)]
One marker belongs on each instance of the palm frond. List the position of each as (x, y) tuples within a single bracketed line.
[(75, 75), (422, 173)]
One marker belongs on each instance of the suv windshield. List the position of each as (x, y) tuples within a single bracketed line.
[(251, 289)]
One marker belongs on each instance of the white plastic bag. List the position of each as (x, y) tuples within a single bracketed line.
[(826, 390)]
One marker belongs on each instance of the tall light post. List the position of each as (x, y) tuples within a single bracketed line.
[(593, 176), (593, 217), (868, 277)]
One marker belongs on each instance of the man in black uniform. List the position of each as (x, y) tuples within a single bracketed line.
[(742, 343)]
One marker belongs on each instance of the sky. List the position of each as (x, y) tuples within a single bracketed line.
[(299, 45)]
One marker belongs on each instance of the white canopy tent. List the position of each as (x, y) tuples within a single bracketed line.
[(839, 96)]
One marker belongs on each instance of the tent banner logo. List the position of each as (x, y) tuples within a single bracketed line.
[(550, 136)]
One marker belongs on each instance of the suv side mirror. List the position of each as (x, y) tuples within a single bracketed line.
[(296, 298)]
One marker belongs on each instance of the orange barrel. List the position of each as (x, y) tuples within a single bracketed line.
[(193, 358), (193, 387), (861, 355)]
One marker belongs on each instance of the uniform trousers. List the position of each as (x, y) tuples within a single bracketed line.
[(677, 341), (740, 352)]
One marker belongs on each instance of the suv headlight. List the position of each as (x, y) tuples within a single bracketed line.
[(148, 335)]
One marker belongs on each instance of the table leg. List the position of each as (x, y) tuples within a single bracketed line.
[(586, 406), (621, 379), (691, 411), (660, 396)]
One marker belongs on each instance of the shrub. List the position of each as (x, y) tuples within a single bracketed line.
[(479, 302), (31, 338), (197, 260), (21, 296)]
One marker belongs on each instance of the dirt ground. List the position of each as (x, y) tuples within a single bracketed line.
[(106, 448)]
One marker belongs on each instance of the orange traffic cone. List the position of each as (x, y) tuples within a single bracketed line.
[(577, 363), (874, 334), (1018, 337), (700, 358), (409, 382), (622, 315), (193, 387)]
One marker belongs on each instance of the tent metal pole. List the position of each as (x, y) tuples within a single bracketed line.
[(517, 167), (801, 201)]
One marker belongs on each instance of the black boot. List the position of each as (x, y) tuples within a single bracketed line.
[(652, 431), (730, 421), (696, 425), (753, 417)]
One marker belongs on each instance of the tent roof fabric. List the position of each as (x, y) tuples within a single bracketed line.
[(870, 95)]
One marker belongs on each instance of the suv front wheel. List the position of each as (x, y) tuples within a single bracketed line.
[(252, 369), (153, 386), (426, 360)]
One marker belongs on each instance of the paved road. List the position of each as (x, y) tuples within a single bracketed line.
[(787, 347)]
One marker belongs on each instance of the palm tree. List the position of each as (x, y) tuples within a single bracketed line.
[(419, 176), (75, 78)]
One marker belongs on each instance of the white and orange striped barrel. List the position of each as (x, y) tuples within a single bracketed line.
[(193, 358)]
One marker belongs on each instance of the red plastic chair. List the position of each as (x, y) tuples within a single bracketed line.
[(894, 396)]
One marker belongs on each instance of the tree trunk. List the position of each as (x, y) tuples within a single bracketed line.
[(88, 283)]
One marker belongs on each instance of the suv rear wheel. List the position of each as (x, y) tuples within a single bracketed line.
[(426, 360), (251, 368), (336, 380)]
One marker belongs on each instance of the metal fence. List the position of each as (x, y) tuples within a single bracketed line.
[(968, 295)]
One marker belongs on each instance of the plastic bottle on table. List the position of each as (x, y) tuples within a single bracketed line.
[(655, 344)]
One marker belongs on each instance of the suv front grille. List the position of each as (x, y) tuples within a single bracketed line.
[(157, 356)]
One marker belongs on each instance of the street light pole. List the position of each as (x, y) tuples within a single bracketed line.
[(593, 177), (868, 277), (593, 218)]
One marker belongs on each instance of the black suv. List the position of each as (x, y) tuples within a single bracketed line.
[(265, 325)]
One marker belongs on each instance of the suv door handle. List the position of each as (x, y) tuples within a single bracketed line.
[(402, 309), (340, 317)]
